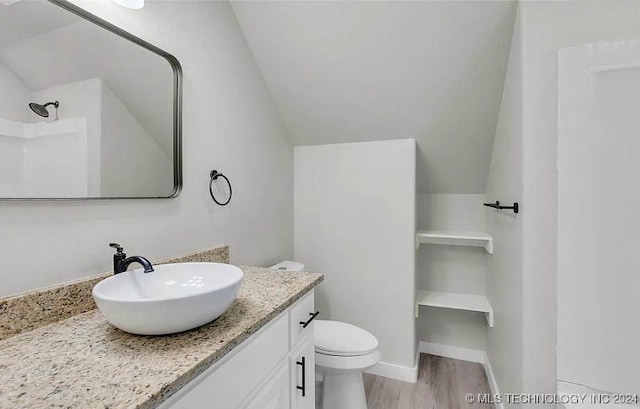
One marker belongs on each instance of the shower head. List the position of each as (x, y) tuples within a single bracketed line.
[(42, 109)]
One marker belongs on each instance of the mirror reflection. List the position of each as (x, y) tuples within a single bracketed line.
[(84, 112)]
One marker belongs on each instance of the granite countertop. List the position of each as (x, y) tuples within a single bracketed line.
[(84, 362)]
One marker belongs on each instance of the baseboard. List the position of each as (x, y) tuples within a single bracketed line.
[(493, 384), (398, 372), (449, 351)]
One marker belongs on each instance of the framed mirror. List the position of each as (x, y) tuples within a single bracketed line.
[(87, 110)]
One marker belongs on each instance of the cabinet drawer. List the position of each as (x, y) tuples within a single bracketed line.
[(230, 382), (302, 311)]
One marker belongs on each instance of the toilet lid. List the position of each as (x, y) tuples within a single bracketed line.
[(342, 339)]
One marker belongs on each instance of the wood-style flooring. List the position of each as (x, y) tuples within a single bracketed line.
[(442, 384)]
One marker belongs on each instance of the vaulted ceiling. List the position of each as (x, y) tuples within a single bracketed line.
[(342, 71), (30, 35), (29, 19)]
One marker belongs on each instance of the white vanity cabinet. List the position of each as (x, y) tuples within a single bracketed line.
[(269, 370), (275, 393), (301, 374)]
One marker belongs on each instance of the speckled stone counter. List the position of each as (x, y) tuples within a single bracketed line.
[(26, 312), (84, 362)]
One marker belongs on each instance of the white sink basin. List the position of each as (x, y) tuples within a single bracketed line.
[(173, 298)]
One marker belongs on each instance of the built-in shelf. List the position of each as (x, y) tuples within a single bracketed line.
[(467, 302), (455, 238)]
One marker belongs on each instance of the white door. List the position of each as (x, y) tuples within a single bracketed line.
[(275, 393), (302, 368)]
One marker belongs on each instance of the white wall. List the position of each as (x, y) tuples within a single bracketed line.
[(355, 71), (354, 221), (44, 159), (14, 103), (55, 159), (127, 149), (229, 124), (453, 269), (80, 99), (547, 27), (504, 267), (11, 158)]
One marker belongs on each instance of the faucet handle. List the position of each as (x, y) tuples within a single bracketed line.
[(116, 246)]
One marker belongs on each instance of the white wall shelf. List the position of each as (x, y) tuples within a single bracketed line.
[(455, 238), (467, 302)]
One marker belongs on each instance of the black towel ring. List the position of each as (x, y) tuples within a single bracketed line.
[(214, 176)]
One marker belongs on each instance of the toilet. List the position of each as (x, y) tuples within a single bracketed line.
[(342, 352)]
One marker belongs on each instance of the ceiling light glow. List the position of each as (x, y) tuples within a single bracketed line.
[(130, 4), (9, 2)]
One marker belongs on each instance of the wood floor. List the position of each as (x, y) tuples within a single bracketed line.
[(442, 384)]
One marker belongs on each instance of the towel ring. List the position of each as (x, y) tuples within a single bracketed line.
[(214, 176)]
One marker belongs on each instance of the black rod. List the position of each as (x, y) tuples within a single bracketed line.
[(496, 205)]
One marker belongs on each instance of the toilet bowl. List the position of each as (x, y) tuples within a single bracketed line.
[(343, 352)]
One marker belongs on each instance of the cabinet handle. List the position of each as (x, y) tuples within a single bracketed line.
[(303, 388), (313, 316)]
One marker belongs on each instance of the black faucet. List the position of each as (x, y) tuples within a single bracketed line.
[(121, 262)]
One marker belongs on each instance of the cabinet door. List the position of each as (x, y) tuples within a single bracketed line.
[(275, 394), (230, 382), (303, 376)]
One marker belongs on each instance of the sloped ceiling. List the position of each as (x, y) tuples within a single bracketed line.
[(362, 71), (143, 81), (28, 19)]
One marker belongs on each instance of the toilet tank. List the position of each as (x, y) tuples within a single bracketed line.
[(288, 265)]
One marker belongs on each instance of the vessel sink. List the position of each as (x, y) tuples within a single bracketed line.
[(173, 298)]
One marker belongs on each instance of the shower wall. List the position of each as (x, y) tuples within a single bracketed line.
[(11, 160), (90, 150), (43, 159), (82, 99), (598, 219), (15, 96)]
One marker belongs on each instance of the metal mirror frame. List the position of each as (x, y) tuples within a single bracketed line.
[(177, 103)]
